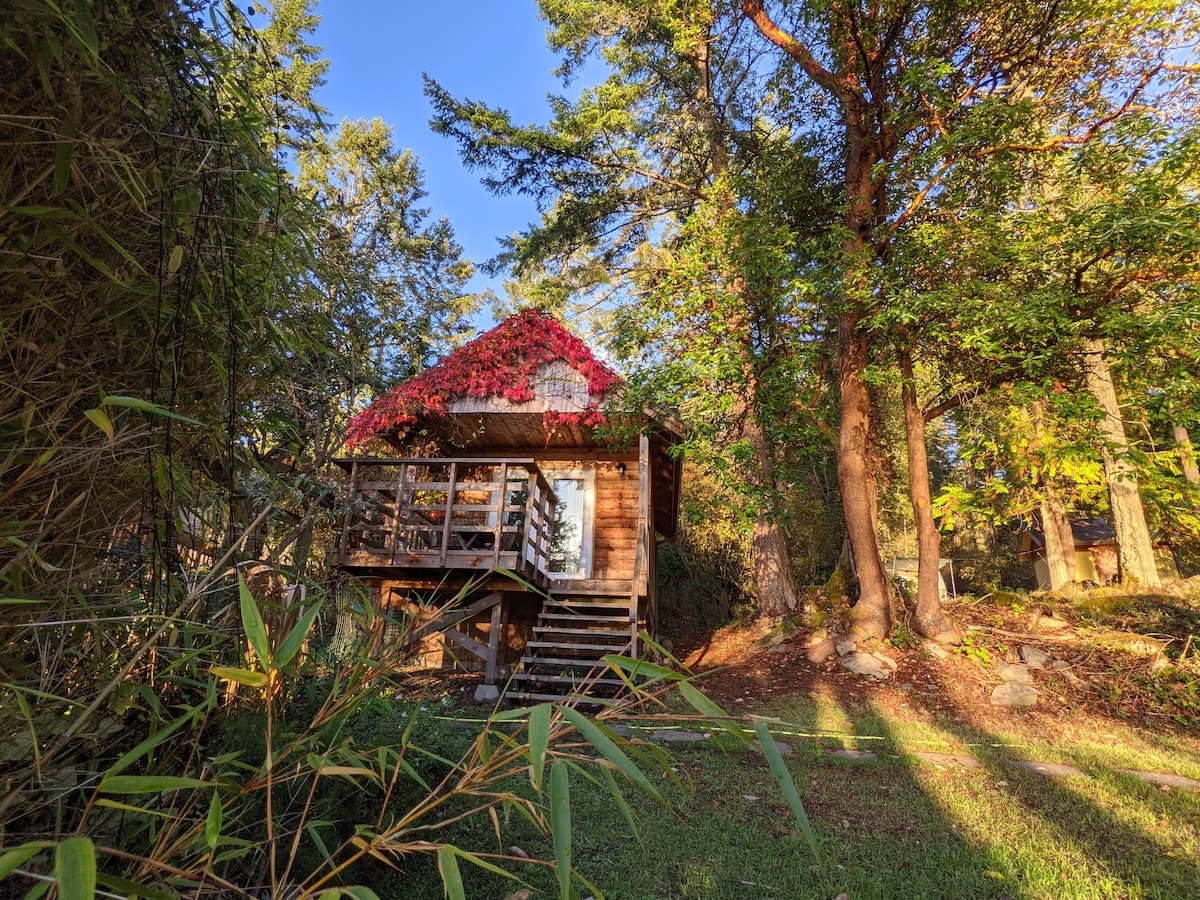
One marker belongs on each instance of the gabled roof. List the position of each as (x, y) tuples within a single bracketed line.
[(515, 363)]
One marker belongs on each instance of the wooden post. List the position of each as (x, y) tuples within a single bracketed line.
[(501, 502), (493, 644), (345, 542), (450, 485), (397, 511), (641, 562)]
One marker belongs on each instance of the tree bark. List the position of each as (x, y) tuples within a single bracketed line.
[(1060, 541), (1187, 456), (930, 619), (1134, 547)]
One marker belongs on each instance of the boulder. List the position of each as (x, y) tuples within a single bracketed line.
[(1013, 693), (1033, 657), (1014, 673), (868, 664)]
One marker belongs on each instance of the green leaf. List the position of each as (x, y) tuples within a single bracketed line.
[(291, 644), (252, 622), (175, 260), (128, 888), (451, 877), (779, 769), (149, 784), (560, 826), (101, 421), (608, 748), (706, 707), (241, 676), (212, 825), (145, 406), (75, 869), (150, 743), (20, 855), (539, 741)]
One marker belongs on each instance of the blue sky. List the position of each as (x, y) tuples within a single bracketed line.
[(490, 50)]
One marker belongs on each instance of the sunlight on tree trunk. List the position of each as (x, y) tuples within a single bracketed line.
[(1187, 455), (1060, 542), (1129, 518)]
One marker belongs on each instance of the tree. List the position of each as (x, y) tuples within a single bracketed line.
[(931, 105)]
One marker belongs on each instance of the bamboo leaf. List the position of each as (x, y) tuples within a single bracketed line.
[(150, 743), (175, 260), (640, 667), (784, 778), (615, 790), (129, 807), (241, 676), (149, 784), (706, 707), (252, 623), (597, 737), (75, 869), (560, 826), (451, 876), (212, 825), (102, 421), (128, 888), (291, 644), (144, 406), (539, 741), (20, 855)]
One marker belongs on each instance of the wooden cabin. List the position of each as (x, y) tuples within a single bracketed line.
[(485, 501), (1096, 557)]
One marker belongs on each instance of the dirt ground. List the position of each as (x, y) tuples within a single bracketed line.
[(1103, 683)]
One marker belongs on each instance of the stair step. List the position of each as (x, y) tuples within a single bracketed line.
[(578, 681), (586, 604), (577, 661), (583, 617), (598, 632), (580, 699), (559, 645)]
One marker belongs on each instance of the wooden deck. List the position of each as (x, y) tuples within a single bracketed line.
[(448, 514)]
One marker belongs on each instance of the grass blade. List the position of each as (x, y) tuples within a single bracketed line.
[(597, 737)]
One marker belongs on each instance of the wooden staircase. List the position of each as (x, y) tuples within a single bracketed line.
[(570, 640)]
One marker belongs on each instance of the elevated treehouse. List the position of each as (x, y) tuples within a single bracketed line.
[(495, 465)]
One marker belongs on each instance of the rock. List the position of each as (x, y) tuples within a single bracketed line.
[(846, 646), (786, 629), (817, 637), (1060, 770), (887, 661), (1013, 693), (1137, 644), (937, 651), (907, 687), (1015, 673), (1049, 622), (818, 653), (867, 664), (858, 755), (1158, 662), (1063, 668), (779, 648), (487, 693), (1033, 657)]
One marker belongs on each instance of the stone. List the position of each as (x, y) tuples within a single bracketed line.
[(947, 759), (886, 660), (779, 648), (1158, 662), (487, 693), (1063, 668), (1136, 644), (1014, 672), (937, 651), (867, 664), (846, 646), (1050, 622), (1164, 779), (857, 755), (1013, 693), (785, 630), (1033, 657), (1060, 770), (818, 653), (818, 636)]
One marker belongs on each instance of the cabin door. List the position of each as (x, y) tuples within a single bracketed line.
[(571, 551)]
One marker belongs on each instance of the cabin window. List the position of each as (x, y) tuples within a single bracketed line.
[(571, 551)]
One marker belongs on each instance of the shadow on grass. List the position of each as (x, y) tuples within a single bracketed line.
[(1103, 821)]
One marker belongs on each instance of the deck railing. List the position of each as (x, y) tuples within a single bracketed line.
[(460, 513)]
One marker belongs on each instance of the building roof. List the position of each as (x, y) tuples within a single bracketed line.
[(529, 363)]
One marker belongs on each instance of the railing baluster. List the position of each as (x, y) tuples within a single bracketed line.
[(450, 489)]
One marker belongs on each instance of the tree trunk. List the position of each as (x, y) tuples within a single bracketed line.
[(1187, 456), (871, 615), (1060, 542), (1129, 518), (930, 620), (776, 584)]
